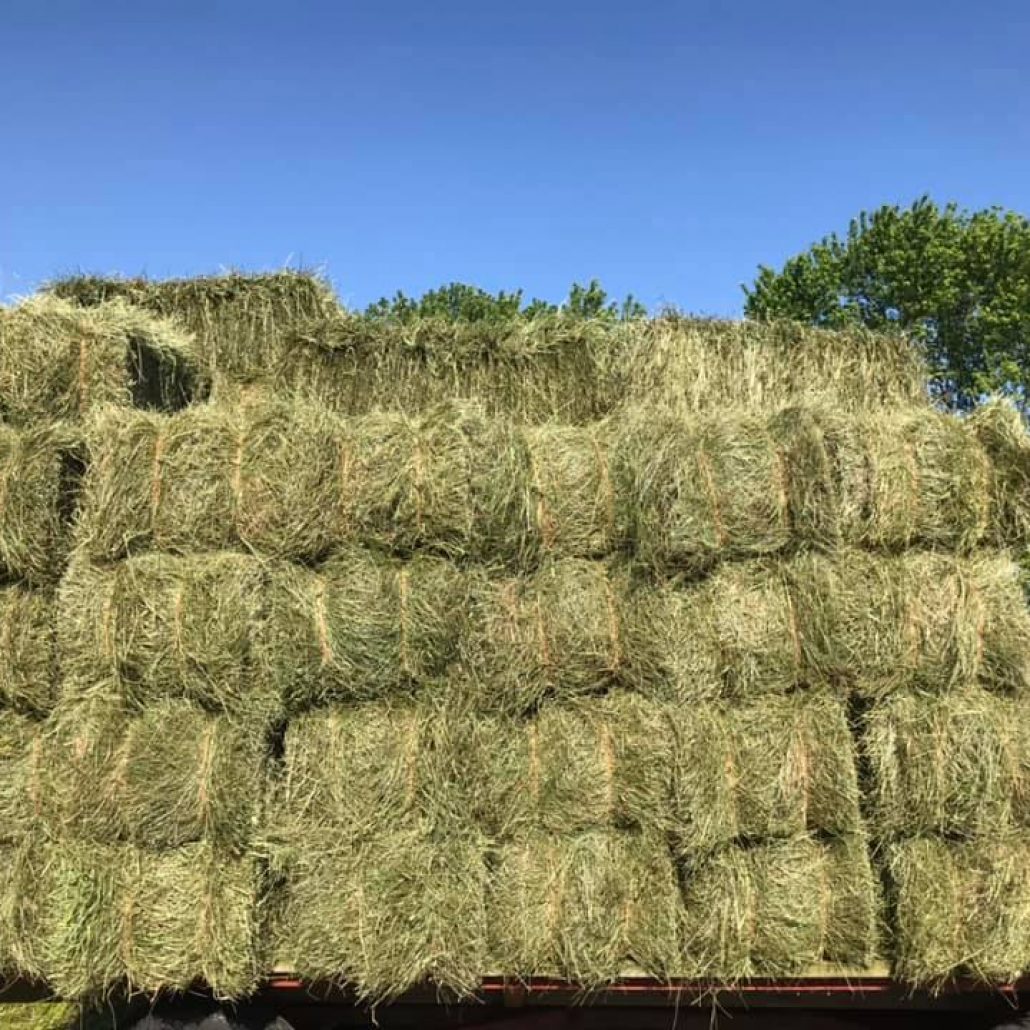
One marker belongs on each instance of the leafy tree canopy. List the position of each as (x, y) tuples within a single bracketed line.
[(957, 281), (459, 301)]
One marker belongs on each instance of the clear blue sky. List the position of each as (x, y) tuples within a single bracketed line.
[(666, 148)]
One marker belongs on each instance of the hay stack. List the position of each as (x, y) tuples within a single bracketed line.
[(961, 907), (398, 910), (776, 909), (58, 362), (956, 765), (584, 907), (775, 768), (28, 658)]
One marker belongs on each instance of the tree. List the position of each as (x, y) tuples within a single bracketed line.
[(958, 282), (459, 301)]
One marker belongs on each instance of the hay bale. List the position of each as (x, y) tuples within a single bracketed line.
[(588, 764), (961, 908), (117, 916), (930, 620), (1000, 430), (361, 627), (585, 907), (159, 626), (170, 775), (956, 764), (23, 758), (23, 892), (28, 655), (239, 322), (398, 910), (701, 489), (557, 633), (776, 768), (58, 361), (38, 468), (776, 909)]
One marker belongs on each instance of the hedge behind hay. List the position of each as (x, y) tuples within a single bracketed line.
[(961, 908), (238, 321), (956, 764), (584, 907), (28, 658), (400, 909), (777, 909), (58, 361), (775, 768)]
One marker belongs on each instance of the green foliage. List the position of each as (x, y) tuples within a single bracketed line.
[(461, 302), (957, 281)]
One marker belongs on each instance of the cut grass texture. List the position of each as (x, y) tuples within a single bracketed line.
[(23, 787), (28, 655), (775, 768), (584, 907), (961, 908), (776, 909), (59, 361), (398, 910), (957, 764)]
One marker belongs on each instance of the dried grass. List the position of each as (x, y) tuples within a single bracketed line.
[(28, 654)]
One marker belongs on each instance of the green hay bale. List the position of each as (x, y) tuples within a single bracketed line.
[(170, 775), (956, 764), (779, 908), (558, 633), (261, 476), (115, 915), (361, 627), (401, 909), (1001, 431), (23, 757), (775, 768), (598, 763), (360, 770), (58, 361), (928, 620), (961, 908), (239, 322), (37, 471), (28, 656), (701, 489), (584, 908), (159, 626)]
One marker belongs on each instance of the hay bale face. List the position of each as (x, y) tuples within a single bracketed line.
[(58, 361), (23, 756), (396, 911), (584, 907), (159, 626), (597, 764), (362, 627), (776, 768), (999, 429), (961, 908), (559, 633), (28, 658), (24, 893), (956, 764), (779, 908)]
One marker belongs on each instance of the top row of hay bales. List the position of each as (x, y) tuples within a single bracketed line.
[(288, 332)]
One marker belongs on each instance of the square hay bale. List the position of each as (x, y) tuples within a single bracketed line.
[(239, 322), (159, 626), (778, 767), (362, 627), (117, 916), (961, 908), (24, 890), (23, 759), (956, 764), (701, 489), (28, 654), (924, 619), (584, 907), (58, 361), (1000, 430), (776, 909), (169, 775), (557, 633), (38, 468), (590, 764), (359, 770), (395, 911)]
